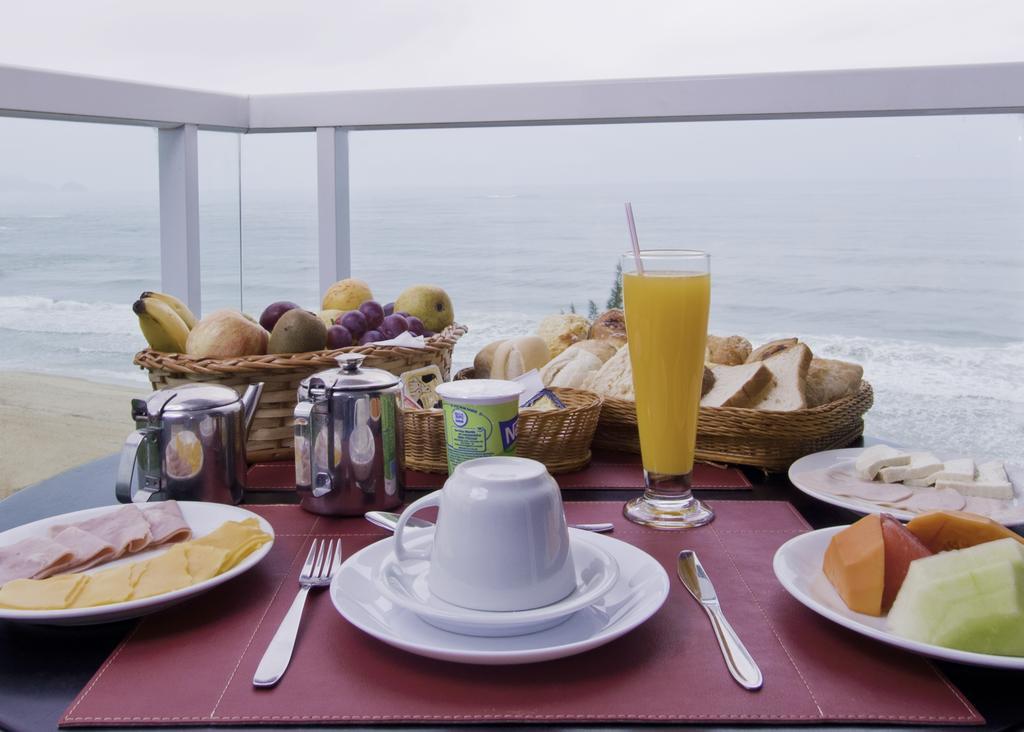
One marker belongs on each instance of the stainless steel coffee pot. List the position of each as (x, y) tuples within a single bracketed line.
[(348, 440), (189, 445)]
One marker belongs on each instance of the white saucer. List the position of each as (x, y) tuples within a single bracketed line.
[(640, 590), (405, 584)]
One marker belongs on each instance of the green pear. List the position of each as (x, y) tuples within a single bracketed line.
[(429, 303)]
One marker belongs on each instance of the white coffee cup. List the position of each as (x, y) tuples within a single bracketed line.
[(501, 541)]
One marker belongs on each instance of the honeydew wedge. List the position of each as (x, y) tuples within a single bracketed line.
[(969, 599)]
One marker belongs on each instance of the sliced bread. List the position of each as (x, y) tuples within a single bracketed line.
[(788, 391), (737, 386), (769, 349)]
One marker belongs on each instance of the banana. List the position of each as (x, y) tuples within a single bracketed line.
[(164, 329), (176, 305)]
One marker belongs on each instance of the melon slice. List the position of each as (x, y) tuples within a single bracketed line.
[(855, 565), (901, 548), (969, 599), (945, 530)]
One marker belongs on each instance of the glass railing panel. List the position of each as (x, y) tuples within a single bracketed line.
[(897, 243), (220, 224)]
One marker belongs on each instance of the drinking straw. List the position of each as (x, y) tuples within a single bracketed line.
[(633, 237)]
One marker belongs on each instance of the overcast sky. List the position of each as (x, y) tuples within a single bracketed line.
[(257, 46)]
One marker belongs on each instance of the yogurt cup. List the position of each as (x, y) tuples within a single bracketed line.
[(481, 418)]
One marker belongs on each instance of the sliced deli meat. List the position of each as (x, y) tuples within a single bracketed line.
[(34, 557), (88, 549), (124, 528), (166, 524), (944, 499)]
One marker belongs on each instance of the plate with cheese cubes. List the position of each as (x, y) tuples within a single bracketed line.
[(905, 483)]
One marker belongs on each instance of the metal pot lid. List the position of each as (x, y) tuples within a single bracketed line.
[(190, 398), (350, 376)]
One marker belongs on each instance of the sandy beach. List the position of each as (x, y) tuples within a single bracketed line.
[(51, 423)]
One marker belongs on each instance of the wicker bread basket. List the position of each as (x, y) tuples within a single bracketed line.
[(271, 435), (559, 438), (769, 440)]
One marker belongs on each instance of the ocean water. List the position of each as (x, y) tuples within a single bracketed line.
[(921, 282)]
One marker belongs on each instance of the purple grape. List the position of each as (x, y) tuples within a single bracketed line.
[(338, 336), (355, 321), (373, 313), (393, 325), (415, 325), (427, 333), (389, 309), (371, 336), (273, 313)]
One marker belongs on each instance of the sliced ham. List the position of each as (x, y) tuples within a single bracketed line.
[(124, 529), (34, 557), (166, 524), (88, 549), (944, 499)]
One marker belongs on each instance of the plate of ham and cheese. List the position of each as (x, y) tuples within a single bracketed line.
[(116, 562), (907, 483)]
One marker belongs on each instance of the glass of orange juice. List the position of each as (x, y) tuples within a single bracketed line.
[(667, 295)]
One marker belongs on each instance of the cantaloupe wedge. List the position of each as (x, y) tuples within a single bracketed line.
[(855, 565), (943, 531)]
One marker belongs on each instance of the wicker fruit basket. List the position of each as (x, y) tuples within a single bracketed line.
[(271, 435), (559, 438), (768, 440)]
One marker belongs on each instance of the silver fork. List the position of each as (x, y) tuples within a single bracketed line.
[(322, 562)]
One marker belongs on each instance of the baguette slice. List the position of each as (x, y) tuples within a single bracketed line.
[(737, 386), (788, 391), (769, 349)]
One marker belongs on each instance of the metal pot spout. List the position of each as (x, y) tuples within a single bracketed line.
[(250, 400)]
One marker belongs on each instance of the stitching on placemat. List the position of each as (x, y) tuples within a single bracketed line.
[(956, 692), (770, 624), (103, 669), (255, 630)]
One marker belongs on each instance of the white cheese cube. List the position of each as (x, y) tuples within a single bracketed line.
[(961, 470), (876, 457), (892, 475), (985, 489), (922, 464), (993, 471)]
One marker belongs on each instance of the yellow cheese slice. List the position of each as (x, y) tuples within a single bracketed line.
[(164, 573), (53, 593), (204, 562), (108, 586), (238, 538)]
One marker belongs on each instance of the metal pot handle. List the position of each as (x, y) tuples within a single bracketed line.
[(304, 431), (124, 487)]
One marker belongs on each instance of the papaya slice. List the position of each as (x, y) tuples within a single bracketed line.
[(901, 548), (943, 531), (855, 565)]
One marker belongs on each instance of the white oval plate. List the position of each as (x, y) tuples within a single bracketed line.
[(640, 590), (806, 475), (797, 564), (202, 517), (405, 584)]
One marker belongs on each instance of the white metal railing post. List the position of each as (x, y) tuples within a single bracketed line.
[(332, 203), (179, 214)]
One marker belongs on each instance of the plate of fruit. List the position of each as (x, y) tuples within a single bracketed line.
[(948, 584)]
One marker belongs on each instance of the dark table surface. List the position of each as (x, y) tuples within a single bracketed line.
[(42, 668)]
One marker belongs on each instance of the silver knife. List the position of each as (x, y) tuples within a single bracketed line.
[(387, 520), (737, 658)]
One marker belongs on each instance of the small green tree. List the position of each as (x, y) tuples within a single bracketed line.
[(592, 310), (615, 298), (572, 307)]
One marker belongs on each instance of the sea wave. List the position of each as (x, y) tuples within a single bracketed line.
[(32, 314)]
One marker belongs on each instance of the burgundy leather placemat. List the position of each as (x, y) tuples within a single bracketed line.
[(193, 664), (607, 471)]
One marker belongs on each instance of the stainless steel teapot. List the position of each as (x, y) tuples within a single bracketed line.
[(348, 440), (189, 445)]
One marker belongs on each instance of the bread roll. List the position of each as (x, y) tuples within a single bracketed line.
[(729, 350), (516, 356), (707, 381), (741, 385), (615, 378), (484, 359), (573, 365), (769, 349), (828, 380), (788, 390), (611, 327), (561, 331)]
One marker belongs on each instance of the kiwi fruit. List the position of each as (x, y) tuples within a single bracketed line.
[(298, 331)]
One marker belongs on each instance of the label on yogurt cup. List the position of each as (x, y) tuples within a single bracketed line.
[(479, 430)]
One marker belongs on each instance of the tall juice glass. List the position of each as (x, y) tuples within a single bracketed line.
[(667, 305)]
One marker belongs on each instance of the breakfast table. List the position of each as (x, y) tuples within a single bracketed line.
[(44, 669)]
